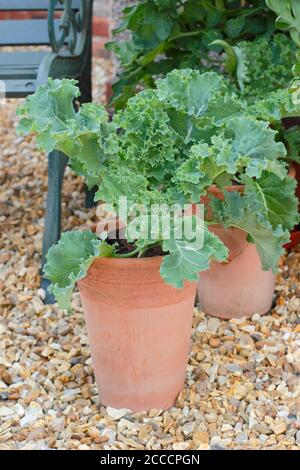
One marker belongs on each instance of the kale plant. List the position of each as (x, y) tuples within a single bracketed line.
[(168, 146)]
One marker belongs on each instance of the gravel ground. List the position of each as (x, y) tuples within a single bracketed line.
[(242, 386)]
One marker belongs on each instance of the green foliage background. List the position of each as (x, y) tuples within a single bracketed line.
[(169, 34)]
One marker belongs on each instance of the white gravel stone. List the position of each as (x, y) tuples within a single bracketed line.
[(115, 413)]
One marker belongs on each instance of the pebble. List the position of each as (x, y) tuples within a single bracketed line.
[(32, 414), (216, 441), (200, 437), (256, 317), (115, 413), (221, 380), (235, 369), (214, 342), (241, 438), (187, 429), (6, 411), (213, 324), (278, 428), (110, 436), (211, 417)]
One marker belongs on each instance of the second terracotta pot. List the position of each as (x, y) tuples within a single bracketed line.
[(239, 287), (139, 332)]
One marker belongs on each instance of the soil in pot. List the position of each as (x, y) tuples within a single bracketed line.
[(139, 331)]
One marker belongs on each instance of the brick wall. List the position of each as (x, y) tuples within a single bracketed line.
[(101, 26)]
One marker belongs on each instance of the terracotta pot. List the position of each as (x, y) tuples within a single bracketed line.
[(230, 290), (139, 332), (237, 288)]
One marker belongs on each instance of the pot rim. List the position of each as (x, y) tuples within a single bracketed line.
[(150, 261)]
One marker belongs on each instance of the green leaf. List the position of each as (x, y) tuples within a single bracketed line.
[(147, 141), (241, 67), (48, 110), (198, 172), (189, 91), (185, 261), (121, 182), (86, 136), (126, 51), (213, 18), (263, 66), (68, 262), (231, 58), (292, 139), (223, 107), (235, 26), (273, 200), (184, 31), (276, 106), (288, 12), (250, 144)]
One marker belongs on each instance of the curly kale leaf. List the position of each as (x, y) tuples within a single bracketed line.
[(275, 106), (86, 136), (245, 145), (185, 260), (261, 66), (273, 200), (198, 172), (121, 182), (292, 139), (249, 144), (48, 111), (68, 262), (189, 91), (147, 142), (197, 104)]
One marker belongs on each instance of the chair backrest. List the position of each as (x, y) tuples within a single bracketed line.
[(30, 5), (16, 32)]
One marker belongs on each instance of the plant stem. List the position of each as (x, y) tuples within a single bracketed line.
[(212, 222), (128, 255)]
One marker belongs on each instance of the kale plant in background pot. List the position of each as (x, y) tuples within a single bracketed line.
[(240, 171), (288, 20), (186, 140), (261, 72)]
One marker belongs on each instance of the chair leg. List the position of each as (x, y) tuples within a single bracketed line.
[(85, 84), (52, 229)]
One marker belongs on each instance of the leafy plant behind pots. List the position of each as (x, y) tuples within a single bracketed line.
[(261, 73), (170, 34), (168, 146)]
